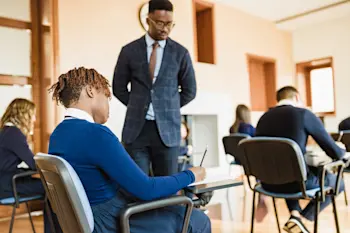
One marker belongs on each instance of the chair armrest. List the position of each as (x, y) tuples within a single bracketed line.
[(339, 166), (142, 207), (14, 178)]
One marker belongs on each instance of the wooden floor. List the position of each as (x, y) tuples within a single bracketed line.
[(233, 215)]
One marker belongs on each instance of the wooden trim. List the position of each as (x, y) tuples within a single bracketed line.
[(305, 68), (206, 5), (37, 44), (312, 11), (270, 80), (259, 58), (195, 30), (19, 24), (14, 23), (55, 48), (213, 10), (14, 80)]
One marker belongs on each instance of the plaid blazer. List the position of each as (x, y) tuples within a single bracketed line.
[(175, 87)]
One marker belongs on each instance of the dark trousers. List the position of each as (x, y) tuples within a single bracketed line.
[(148, 148), (29, 186), (312, 182)]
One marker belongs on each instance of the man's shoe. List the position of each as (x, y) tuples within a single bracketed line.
[(295, 225)]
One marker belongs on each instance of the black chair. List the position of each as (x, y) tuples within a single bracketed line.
[(344, 137), (231, 146), (17, 199), (279, 161)]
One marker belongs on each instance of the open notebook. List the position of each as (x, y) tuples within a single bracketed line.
[(214, 178)]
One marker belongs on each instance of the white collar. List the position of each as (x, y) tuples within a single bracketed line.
[(150, 41), (287, 102), (9, 124), (79, 114)]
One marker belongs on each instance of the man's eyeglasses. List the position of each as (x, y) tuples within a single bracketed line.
[(161, 24)]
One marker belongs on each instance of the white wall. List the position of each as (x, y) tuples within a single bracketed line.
[(329, 39), (91, 34)]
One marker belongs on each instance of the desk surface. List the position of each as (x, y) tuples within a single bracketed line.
[(202, 188)]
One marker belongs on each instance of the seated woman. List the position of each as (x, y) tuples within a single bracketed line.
[(111, 179), (16, 125), (242, 123)]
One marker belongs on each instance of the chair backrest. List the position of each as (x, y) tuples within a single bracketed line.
[(66, 193), (335, 136), (231, 144), (346, 139), (273, 160)]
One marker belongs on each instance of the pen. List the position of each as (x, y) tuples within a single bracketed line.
[(205, 152)]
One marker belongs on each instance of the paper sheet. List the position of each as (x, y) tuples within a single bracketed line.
[(213, 179)]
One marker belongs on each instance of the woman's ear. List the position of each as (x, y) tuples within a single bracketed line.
[(89, 91)]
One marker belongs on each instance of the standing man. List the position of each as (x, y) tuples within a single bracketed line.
[(162, 81)]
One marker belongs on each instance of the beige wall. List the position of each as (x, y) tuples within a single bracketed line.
[(329, 39), (92, 33)]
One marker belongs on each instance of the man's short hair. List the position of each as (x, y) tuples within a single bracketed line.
[(160, 5), (286, 93)]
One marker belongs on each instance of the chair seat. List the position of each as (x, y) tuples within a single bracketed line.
[(311, 193), (11, 200)]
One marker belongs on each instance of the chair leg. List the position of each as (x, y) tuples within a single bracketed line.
[(244, 182), (335, 214), (12, 218), (317, 210), (253, 213), (49, 216), (278, 222), (345, 195), (30, 217)]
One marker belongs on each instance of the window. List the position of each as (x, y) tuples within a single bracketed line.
[(28, 31), (316, 85), (262, 78), (204, 31), (322, 90)]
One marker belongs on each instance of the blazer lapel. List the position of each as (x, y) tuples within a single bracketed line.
[(145, 66)]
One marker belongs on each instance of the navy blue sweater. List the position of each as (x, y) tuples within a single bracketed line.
[(14, 149), (297, 124), (104, 166)]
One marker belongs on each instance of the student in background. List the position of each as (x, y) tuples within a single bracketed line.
[(111, 179), (242, 123), (289, 120), (16, 126), (344, 124)]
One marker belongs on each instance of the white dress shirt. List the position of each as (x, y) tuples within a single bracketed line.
[(72, 113), (160, 51)]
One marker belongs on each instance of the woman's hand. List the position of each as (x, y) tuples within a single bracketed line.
[(199, 173)]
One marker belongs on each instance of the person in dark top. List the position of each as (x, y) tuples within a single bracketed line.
[(289, 120), (242, 123), (16, 125), (344, 124), (110, 177)]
